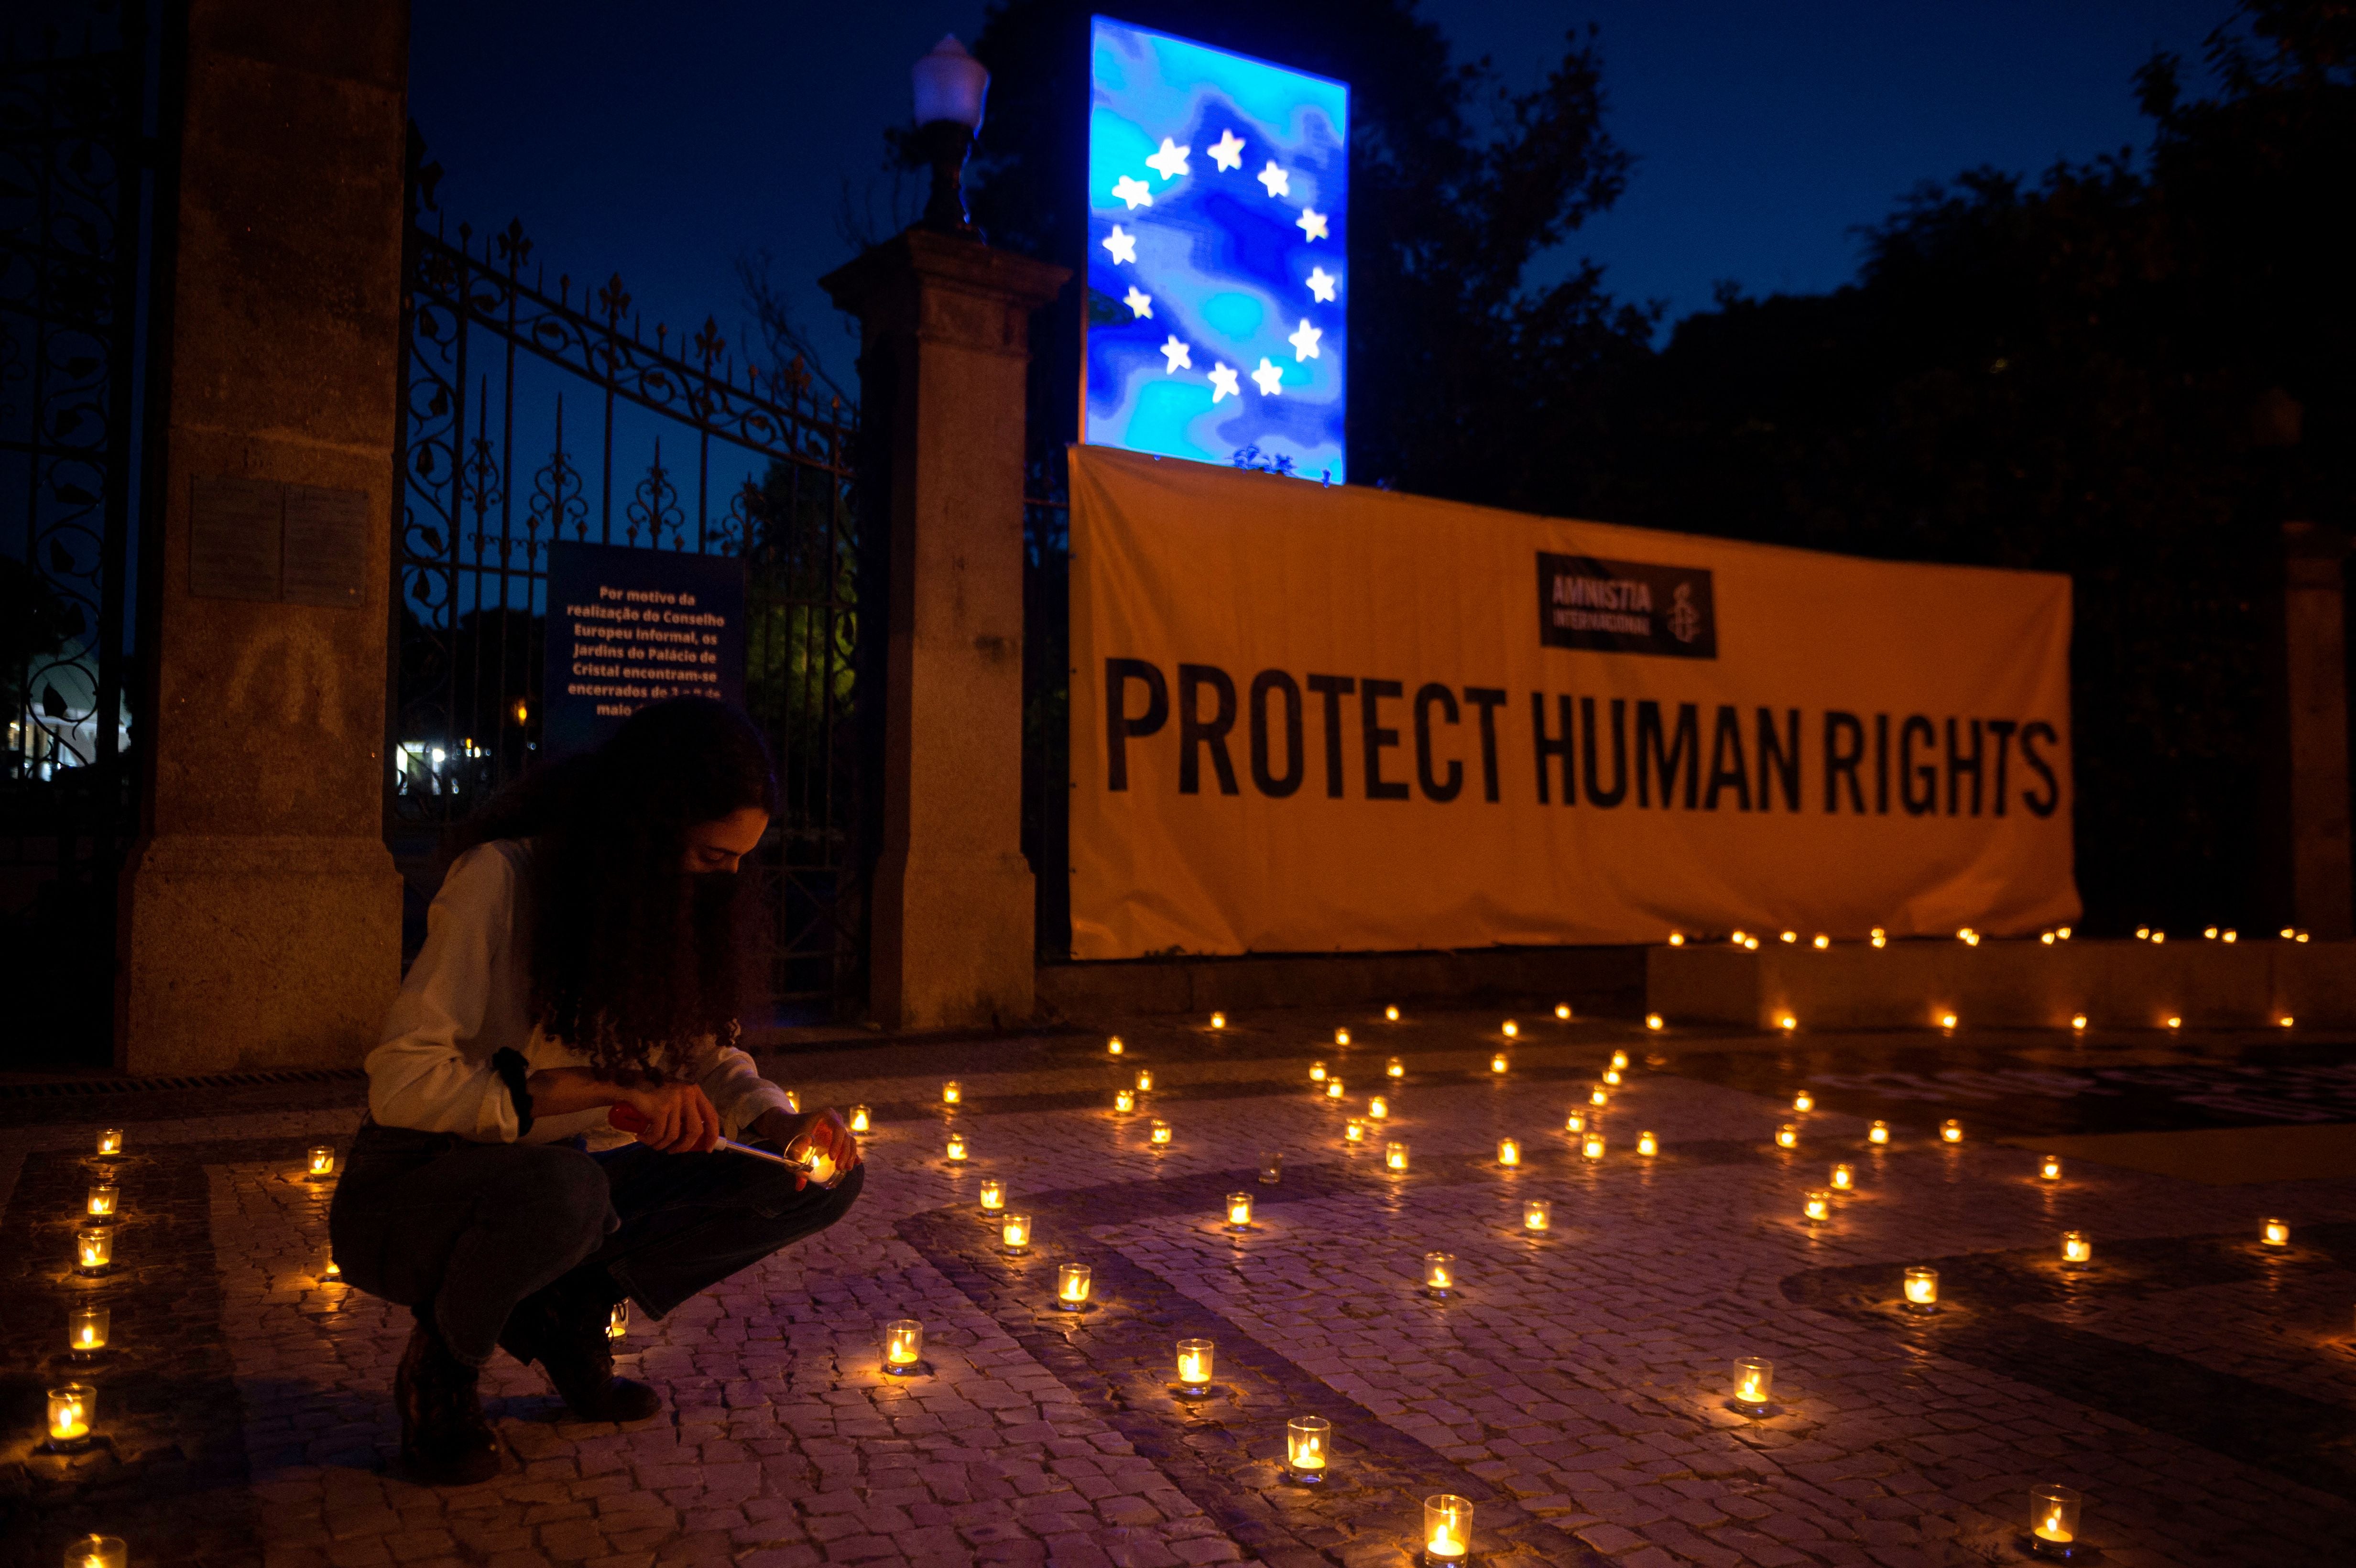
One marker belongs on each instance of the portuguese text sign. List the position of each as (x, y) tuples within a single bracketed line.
[(626, 627)]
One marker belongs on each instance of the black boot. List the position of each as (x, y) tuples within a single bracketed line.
[(444, 1440), (563, 1328)]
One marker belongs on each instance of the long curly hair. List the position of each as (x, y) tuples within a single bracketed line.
[(634, 959)]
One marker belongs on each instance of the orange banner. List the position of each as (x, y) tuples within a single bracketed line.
[(1315, 719)]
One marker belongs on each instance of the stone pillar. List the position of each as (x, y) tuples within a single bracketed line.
[(2310, 809), (261, 912), (945, 345)]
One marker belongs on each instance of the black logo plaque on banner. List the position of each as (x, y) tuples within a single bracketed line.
[(626, 627), (1626, 607)]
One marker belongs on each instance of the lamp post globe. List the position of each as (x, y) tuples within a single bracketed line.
[(951, 88)]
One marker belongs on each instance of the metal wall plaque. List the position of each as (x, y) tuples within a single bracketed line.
[(291, 544), (326, 545)]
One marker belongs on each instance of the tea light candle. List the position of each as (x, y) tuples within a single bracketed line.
[(1880, 938), (1354, 1130), (1921, 1289), (1396, 1069), (1391, 1013), (1599, 1095), (1145, 1080), (794, 1102), (957, 1149), (2276, 1233), (903, 1346), (1537, 1215), (994, 1195), (1124, 1099), (1646, 1144), (1194, 1363), (93, 1249), (110, 1142), (1306, 1440), (2049, 1167), (1072, 1285), (1619, 1061), (1219, 1020), (2078, 1022), (1654, 1020), (1333, 1089), (72, 1410), (1787, 1023), (1676, 939), (320, 1160), (101, 1202), (1317, 1072), (1159, 1134), (2077, 1247), (1612, 1075), (1878, 1134), (1447, 1529), (2053, 1520), (1947, 1020), (333, 1274), (1787, 1136), (1843, 1179), (1498, 1063), (1239, 1211), (1509, 1152), (1804, 1101), (1014, 1231), (1439, 1274), (1575, 1123), (1509, 1029), (1754, 1381), (952, 1092), (2285, 1020), (1395, 1157), (618, 1322), (1341, 1036), (2175, 1022), (860, 1119), (1591, 1145), (1113, 1046), (1823, 942), (1378, 1107), (97, 1552), (1950, 1131), (1271, 1167), (86, 1329), (1818, 1205), (1562, 1011)]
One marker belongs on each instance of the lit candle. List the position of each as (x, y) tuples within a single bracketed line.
[(2053, 1520), (320, 1159), (1647, 1144), (97, 1552), (1159, 1134), (1113, 1046), (952, 1092), (1219, 1020), (1447, 1529), (1676, 939), (1599, 1095), (2078, 1022), (1947, 1020), (1317, 1072), (93, 1249), (1591, 1145), (1822, 940), (334, 1273), (1654, 1020), (1498, 1063), (994, 1195), (1239, 1211), (1439, 1273), (101, 1202), (1396, 1069), (1354, 1130), (1072, 1284), (1378, 1107), (1818, 1205), (1015, 1232), (1537, 1214), (110, 1142), (1562, 1011), (1271, 1167), (957, 1149), (1787, 1136), (1509, 1152), (1754, 1381), (1145, 1080), (1194, 1363), (903, 1346), (1881, 937), (1306, 1438), (1787, 1023), (2285, 1020), (2077, 1247), (1950, 1131), (860, 1119), (1612, 1075), (1620, 1060), (1791, 936), (1843, 1179), (1878, 1134), (1333, 1089), (618, 1322), (86, 1329), (1395, 1157), (793, 1102), (73, 1408), (1341, 1036), (1509, 1029), (1921, 1289), (1575, 1123), (1804, 1101), (2175, 1022), (2276, 1233), (2049, 1167), (1124, 1099), (1391, 1013)]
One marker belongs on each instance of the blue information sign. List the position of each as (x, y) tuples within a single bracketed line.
[(626, 627), (1218, 279)]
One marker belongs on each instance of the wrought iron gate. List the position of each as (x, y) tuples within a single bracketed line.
[(531, 417)]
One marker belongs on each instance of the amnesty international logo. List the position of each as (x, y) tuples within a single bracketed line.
[(1626, 607)]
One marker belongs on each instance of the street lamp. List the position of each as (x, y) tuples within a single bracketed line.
[(950, 87)]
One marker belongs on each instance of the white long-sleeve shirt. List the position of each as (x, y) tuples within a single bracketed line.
[(468, 996)]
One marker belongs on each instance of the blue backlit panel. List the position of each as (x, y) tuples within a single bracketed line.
[(1218, 276)]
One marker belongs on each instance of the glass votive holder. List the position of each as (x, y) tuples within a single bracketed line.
[(1950, 1131), (1353, 1131), (1655, 1021), (1619, 1061), (1333, 1089), (1509, 1029), (617, 1321), (1124, 1100), (1562, 1011), (1599, 1096), (994, 1195), (1509, 1152), (1647, 1144), (1239, 1211), (2273, 1233), (952, 1092), (1194, 1363), (1391, 1013), (1014, 1231), (1145, 1080), (319, 1160), (95, 1249), (2048, 1169), (333, 1274), (1341, 1036), (86, 1329), (1878, 1134), (1395, 1067), (110, 1143), (1317, 1072), (1447, 1529), (1787, 1136), (1395, 1157), (860, 1119), (73, 1411), (904, 1346), (1921, 1290), (1843, 1179), (1537, 1215), (2077, 1247), (1072, 1285), (1159, 1134), (957, 1149), (101, 1202), (1378, 1107), (1307, 1441), (1803, 1102), (1575, 1123), (1612, 1076), (1219, 1020), (97, 1552), (1498, 1063), (1113, 1047), (1271, 1167), (2053, 1520), (1439, 1274), (1817, 1205), (1754, 1383), (1591, 1146)]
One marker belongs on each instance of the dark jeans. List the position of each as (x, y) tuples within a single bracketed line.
[(473, 1228)]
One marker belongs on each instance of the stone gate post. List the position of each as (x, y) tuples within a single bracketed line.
[(2308, 817)]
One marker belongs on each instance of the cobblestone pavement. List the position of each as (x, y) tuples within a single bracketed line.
[(2197, 1385)]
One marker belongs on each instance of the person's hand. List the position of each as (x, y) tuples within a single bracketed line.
[(680, 1118), (820, 1132)]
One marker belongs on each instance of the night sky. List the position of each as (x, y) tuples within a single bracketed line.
[(665, 141)]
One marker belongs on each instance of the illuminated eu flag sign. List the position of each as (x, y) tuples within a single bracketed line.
[(1219, 202)]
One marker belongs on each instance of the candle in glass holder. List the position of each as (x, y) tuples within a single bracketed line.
[(994, 1195), (72, 1410), (2276, 1233), (86, 1329), (1317, 1072), (1072, 1284), (860, 1119), (1195, 1361), (1921, 1289), (97, 1552), (1509, 1029), (1646, 1144), (1947, 1020), (1396, 1069), (2175, 1022), (1817, 1205), (1612, 1075), (1447, 1529), (2078, 1022), (1391, 1013), (110, 1142), (1950, 1131), (334, 1273), (1878, 937), (93, 1249), (2053, 1520), (1787, 1023), (903, 1346), (1804, 1101), (1754, 1381), (2049, 1167), (1113, 1046), (1395, 1157), (617, 1321), (1145, 1080), (1124, 1099), (1620, 1060), (1562, 1011), (957, 1149), (1498, 1063), (1439, 1274), (1341, 1036), (1843, 1179), (319, 1159), (2077, 1247), (1271, 1167), (1509, 1152), (1219, 1020), (1591, 1145), (1239, 1211), (1654, 1021), (1306, 1441), (1159, 1134), (1354, 1130), (952, 1092), (1378, 1107), (1878, 1134), (101, 1202), (1014, 1231), (1575, 1123), (1599, 1096), (1787, 1136), (1537, 1215)]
